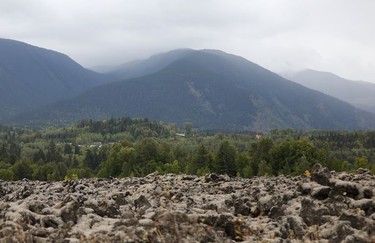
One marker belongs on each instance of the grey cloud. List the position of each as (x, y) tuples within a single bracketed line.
[(335, 35)]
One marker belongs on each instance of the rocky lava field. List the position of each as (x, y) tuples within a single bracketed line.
[(326, 207)]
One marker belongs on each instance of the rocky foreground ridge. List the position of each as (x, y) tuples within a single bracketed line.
[(326, 207)]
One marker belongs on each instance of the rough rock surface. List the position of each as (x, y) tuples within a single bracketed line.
[(328, 207)]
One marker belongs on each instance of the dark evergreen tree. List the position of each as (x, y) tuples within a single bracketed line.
[(14, 153), (68, 149), (53, 154), (3, 153), (147, 149), (77, 149), (225, 159), (201, 159), (91, 159), (39, 156), (22, 169), (260, 151)]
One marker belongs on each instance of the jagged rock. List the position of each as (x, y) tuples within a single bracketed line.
[(210, 206), (356, 221), (321, 175), (297, 225), (255, 211), (51, 221), (367, 205), (306, 188), (214, 178), (363, 171), (107, 208), (288, 195), (346, 188), (337, 207), (188, 177), (69, 212), (180, 208), (233, 228), (321, 192), (241, 208), (370, 228), (228, 189), (338, 232), (357, 239), (146, 222), (120, 198), (172, 217), (367, 192), (150, 215), (142, 202), (40, 232), (3, 192), (37, 207), (277, 212), (311, 213), (266, 203)]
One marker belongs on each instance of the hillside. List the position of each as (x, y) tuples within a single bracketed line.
[(212, 90), (31, 77), (358, 93), (150, 65)]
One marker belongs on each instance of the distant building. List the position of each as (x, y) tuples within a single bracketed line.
[(180, 134), (96, 144)]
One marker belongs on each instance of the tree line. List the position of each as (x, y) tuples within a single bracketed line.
[(121, 147)]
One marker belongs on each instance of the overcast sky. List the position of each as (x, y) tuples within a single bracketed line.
[(329, 35)]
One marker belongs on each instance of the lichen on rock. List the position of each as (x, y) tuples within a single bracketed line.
[(327, 206)]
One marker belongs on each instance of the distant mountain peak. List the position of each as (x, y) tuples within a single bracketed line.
[(358, 93)]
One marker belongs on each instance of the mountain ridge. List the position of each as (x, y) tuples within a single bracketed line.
[(212, 90), (360, 94), (38, 76)]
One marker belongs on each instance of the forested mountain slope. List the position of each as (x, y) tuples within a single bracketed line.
[(212, 90), (31, 77)]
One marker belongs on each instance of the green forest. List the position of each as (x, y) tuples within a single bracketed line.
[(121, 147)]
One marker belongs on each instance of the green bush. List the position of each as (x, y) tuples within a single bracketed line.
[(6, 175)]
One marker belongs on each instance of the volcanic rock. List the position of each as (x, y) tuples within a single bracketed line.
[(328, 207)]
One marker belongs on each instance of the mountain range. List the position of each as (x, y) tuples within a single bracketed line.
[(31, 77), (210, 89), (358, 93)]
